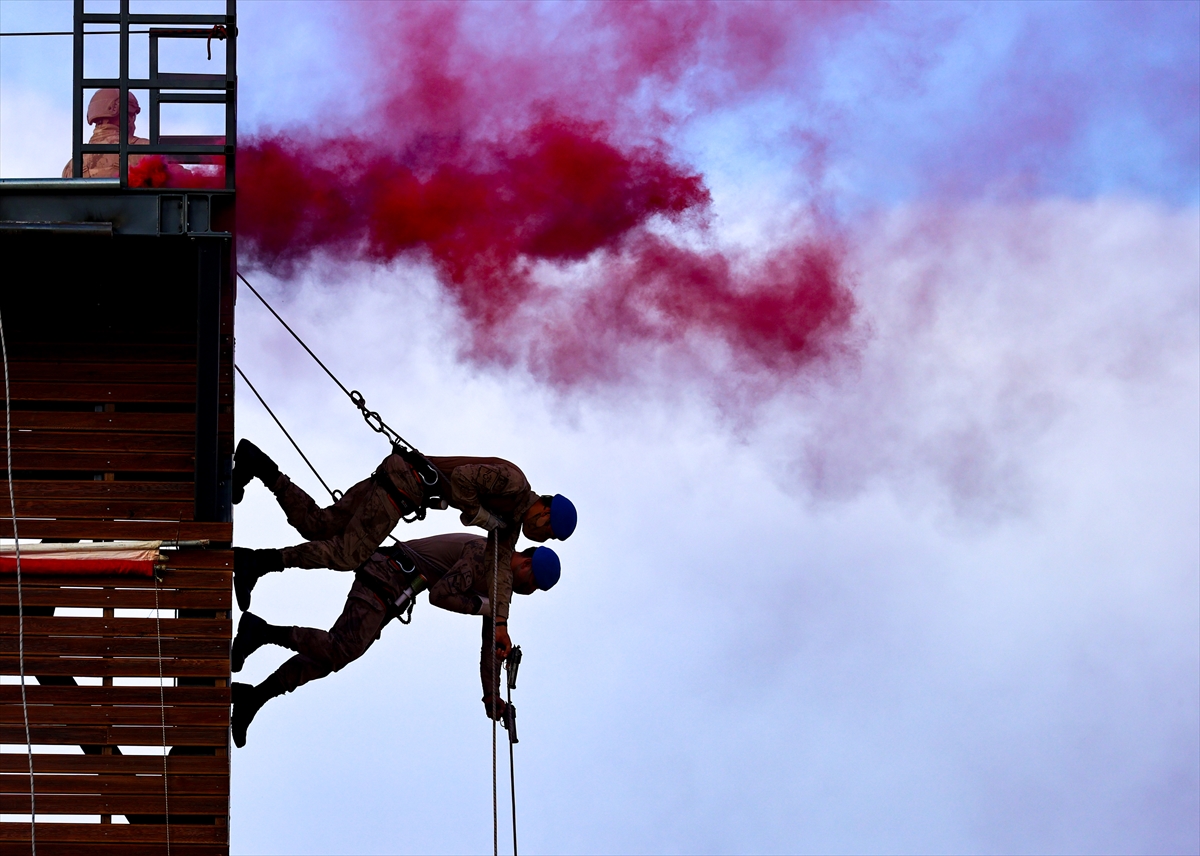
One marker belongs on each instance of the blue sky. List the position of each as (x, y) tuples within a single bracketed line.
[(942, 598)]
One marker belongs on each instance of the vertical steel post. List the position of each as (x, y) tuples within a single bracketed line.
[(77, 95), (153, 106), (123, 94), (208, 355), (230, 92)]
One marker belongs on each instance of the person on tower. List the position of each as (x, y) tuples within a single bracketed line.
[(491, 493), (104, 111), (458, 570)]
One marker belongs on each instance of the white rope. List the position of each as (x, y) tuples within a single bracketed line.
[(494, 690), (162, 711), (12, 504)]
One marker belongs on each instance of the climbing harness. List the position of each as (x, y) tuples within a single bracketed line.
[(12, 505)]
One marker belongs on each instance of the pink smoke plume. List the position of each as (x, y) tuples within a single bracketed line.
[(495, 156)]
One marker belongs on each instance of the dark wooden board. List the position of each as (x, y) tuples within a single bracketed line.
[(71, 420), (104, 462), (109, 784), (101, 646), (137, 530), (121, 599), (99, 370), (123, 667), (101, 735), (103, 393), (69, 714), (115, 833), (118, 765), (123, 695), (168, 628), (90, 489), (51, 804), (44, 440), (87, 847), (171, 579), (102, 509)]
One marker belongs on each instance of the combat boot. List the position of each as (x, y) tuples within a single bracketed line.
[(248, 567), (250, 461), (251, 635), (247, 701)]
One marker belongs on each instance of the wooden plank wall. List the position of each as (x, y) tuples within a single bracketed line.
[(103, 447)]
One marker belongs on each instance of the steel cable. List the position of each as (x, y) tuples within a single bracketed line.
[(12, 504)]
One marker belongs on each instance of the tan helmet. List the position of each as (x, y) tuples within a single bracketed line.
[(106, 104)]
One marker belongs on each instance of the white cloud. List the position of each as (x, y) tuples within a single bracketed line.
[(728, 666)]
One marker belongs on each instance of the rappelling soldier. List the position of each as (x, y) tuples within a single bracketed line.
[(457, 569), (491, 493), (104, 111)]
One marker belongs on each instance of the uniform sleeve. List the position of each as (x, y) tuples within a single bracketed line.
[(455, 590), (473, 484)]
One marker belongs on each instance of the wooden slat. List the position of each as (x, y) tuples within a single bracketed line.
[(101, 735), (50, 804), (102, 351), (137, 530), (69, 714), (171, 578), (91, 848), (114, 833), (121, 667), (119, 598), (144, 423), (103, 371), (104, 509), (212, 559), (109, 646), (168, 628), (104, 393), (148, 765), (42, 440), (174, 696), (104, 462), (145, 491), (110, 784), (69, 420)]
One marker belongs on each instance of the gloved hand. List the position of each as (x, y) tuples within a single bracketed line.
[(503, 643), (484, 519), (493, 707)]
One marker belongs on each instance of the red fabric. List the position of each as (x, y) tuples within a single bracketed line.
[(33, 564)]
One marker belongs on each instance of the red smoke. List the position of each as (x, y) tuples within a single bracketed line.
[(493, 157)]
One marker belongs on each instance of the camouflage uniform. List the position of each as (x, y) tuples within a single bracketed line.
[(105, 165), (460, 564), (345, 534), (500, 487)]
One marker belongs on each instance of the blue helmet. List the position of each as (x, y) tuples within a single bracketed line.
[(562, 517), (546, 567)]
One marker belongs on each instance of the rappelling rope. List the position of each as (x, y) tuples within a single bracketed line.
[(162, 710), (494, 689), (295, 445), (371, 417), (12, 504)]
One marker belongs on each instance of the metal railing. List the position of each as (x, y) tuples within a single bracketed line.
[(164, 88)]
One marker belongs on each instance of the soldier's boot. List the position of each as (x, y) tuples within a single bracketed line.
[(250, 461), (247, 701), (248, 567), (252, 634)]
